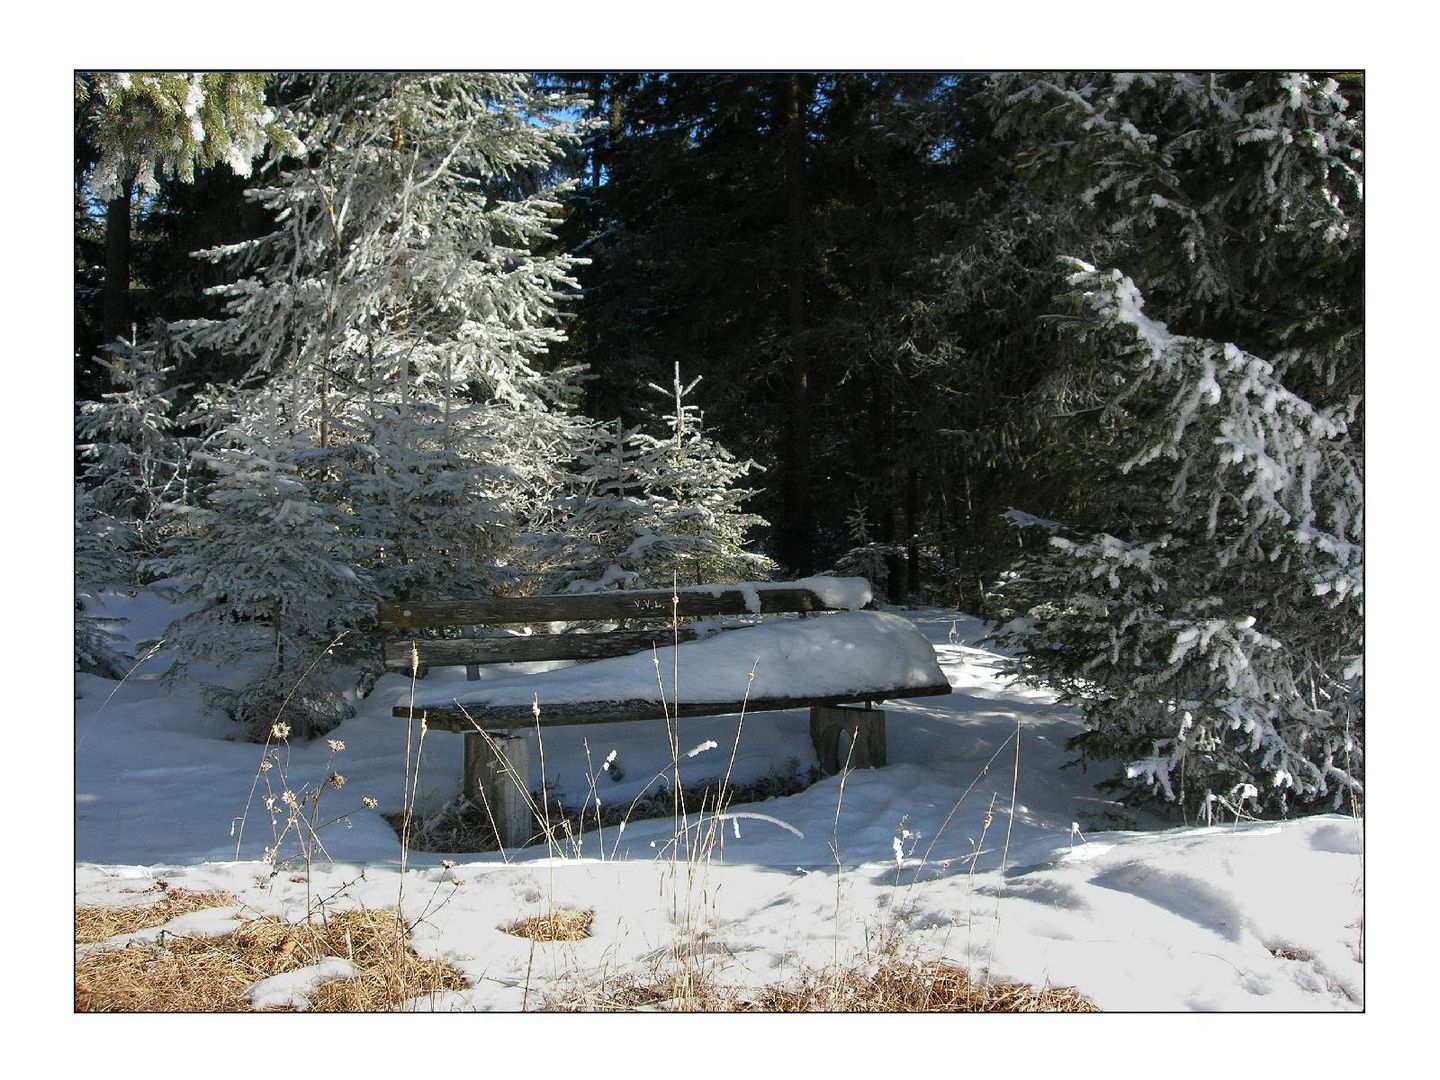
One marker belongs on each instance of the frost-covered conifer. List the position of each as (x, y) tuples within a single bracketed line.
[(605, 518), (400, 312), (1203, 598), (1216, 641), (653, 508), (272, 570), (695, 528), (149, 124), (133, 466), (102, 544), (1236, 198), (133, 460)]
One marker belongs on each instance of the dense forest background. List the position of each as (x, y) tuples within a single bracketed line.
[(1078, 352)]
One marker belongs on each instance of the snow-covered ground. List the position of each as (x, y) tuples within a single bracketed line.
[(1069, 889)]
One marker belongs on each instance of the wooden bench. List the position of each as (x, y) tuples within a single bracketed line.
[(884, 657)]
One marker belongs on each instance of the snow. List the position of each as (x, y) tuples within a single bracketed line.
[(290, 987), (1061, 886), (822, 655)]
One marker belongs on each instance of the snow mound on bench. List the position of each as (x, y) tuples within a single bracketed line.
[(845, 653)]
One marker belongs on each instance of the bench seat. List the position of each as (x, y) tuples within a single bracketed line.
[(821, 660)]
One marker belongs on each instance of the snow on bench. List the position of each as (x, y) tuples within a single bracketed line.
[(848, 656)]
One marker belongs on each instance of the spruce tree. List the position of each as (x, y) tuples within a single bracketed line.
[(695, 527), (271, 570), (595, 546), (133, 459), (399, 429), (1198, 588), (401, 310), (656, 508)]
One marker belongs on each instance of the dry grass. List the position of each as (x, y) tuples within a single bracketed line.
[(562, 924), (211, 974), (901, 986), (95, 924), (468, 828), (895, 986)]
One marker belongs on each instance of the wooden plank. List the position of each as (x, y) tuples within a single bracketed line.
[(454, 717), (453, 652), (586, 607)]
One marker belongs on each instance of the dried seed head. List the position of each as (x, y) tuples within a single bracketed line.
[(335, 745), (280, 730), (369, 803), (267, 765), (336, 780), (414, 658)]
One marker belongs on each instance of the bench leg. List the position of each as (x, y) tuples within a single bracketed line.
[(847, 731), (497, 779)]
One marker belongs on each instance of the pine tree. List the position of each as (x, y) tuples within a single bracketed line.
[(695, 528), (271, 569), (399, 429), (1203, 599), (867, 557), (402, 308), (652, 509), (1213, 632), (133, 464), (1236, 197), (134, 461), (102, 544), (595, 545), (143, 126)]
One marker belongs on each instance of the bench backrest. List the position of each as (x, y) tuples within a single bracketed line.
[(619, 605)]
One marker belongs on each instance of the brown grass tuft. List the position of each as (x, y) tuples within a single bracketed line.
[(95, 924), (562, 924), (211, 974), (895, 986), (905, 986)]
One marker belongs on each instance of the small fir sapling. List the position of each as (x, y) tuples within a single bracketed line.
[(102, 543), (134, 462), (696, 528), (652, 509), (605, 516), (867, 558)]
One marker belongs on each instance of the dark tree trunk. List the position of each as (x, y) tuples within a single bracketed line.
[(115, 309), (912, 533), (797, 525)]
